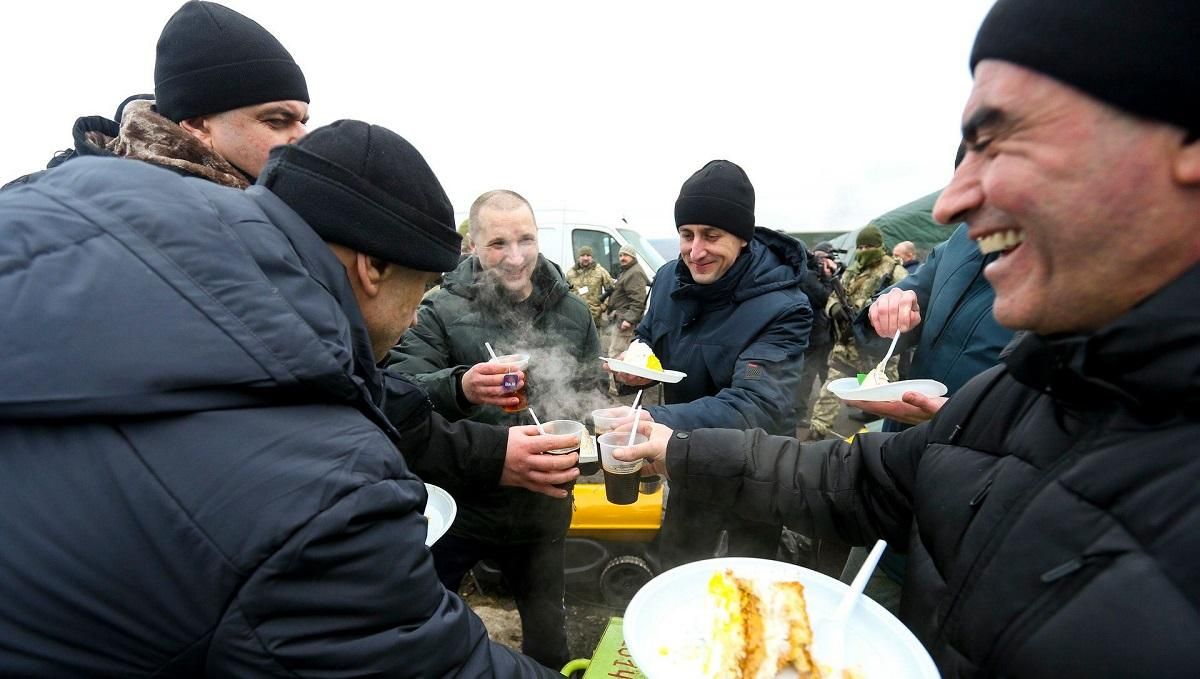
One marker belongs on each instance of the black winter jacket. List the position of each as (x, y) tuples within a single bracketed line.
[(740, 339), (196, 478), (90, 133), (1050, 511)]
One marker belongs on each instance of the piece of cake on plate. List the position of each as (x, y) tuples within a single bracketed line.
[(640, 354), (759, 629)]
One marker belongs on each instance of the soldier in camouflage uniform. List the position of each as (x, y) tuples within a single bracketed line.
[(588, 280), (872, 270)]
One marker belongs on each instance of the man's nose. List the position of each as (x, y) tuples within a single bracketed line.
[(298, 132), (698, 250), (962, 195)]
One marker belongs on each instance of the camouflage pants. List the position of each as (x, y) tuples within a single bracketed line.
[(844, 361)]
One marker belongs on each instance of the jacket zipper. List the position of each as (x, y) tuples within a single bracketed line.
[(1065, 580), (1001, 529)]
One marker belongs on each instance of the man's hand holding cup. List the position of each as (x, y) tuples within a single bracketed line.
[(498, 382), (526, 465), (653, 451)]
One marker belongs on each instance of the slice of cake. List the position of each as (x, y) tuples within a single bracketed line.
[(759, 629), (640, 354), (875, 378)]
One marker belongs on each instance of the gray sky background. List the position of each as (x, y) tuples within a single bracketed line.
[(838, 111)]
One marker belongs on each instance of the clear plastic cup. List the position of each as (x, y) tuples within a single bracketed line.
[(565, 428), (605, 420), (620, 477), (511, 380)]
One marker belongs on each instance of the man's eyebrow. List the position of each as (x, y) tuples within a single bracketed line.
[(283, 111), (983, 118)]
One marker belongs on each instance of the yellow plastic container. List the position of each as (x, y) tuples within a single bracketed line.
[(597, 518)]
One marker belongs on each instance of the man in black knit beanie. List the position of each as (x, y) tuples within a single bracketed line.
[(225, 92), (1048, 511)]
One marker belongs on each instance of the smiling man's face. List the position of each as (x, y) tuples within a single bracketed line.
[(1071, 191), (507, 247), (707, 251)]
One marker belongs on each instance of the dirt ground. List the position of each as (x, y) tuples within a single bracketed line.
[(586, 617)]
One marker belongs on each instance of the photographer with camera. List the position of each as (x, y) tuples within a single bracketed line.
[(825, 272), (871, 270)]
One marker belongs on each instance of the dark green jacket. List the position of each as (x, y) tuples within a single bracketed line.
[(565, 379)]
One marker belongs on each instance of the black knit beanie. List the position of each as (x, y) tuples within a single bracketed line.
[(212, 59), (1142, 57), (365, 187), (721, 195)]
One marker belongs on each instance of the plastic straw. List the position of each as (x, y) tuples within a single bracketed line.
[(637, 414), (536, 421), (637, 399), (490, 350)]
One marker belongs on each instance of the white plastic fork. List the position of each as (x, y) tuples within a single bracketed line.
[(829, 634), (882, 367)]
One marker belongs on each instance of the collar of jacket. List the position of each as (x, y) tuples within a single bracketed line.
[(145, 135), (1147, 358), (325, 268), (549, 284), (93, 134)]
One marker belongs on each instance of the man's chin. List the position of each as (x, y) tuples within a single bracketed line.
[(517, 290)]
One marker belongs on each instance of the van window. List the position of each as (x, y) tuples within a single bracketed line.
[(605, 249)]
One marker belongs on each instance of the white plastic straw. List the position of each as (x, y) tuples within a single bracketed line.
[(637, 414), (490, 350), (536, 421), (637, 399)]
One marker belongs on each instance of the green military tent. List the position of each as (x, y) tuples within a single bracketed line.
[(913, 221)]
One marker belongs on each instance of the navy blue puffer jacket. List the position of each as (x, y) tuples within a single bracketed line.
[(740, 339), (195, 478)]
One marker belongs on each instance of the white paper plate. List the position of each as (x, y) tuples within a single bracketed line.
[(847, 389), (440, 511), (671, 376), (668, 622)]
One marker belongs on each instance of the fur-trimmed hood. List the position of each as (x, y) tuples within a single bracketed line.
[(146, 135)]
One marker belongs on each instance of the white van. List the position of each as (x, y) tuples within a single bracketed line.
[(562, 232)]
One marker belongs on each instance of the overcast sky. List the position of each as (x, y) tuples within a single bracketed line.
[(838, 111)]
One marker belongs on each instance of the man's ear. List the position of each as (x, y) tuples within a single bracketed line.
[(1187, 162), (199, 128), (370, 272)]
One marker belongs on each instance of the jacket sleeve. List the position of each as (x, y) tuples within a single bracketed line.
[(920, 282), (464, 455), (762, 391), (424, 356), (354, 591), (853, 492)]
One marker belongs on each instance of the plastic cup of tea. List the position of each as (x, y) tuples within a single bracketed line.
[(649, 484), (605, 420), (620, 477), (565, 428), (512, 380)]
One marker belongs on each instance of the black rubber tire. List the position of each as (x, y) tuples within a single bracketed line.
[(622, 577)]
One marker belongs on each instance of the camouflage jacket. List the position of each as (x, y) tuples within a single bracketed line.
[(860, 286), (589, 284)]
